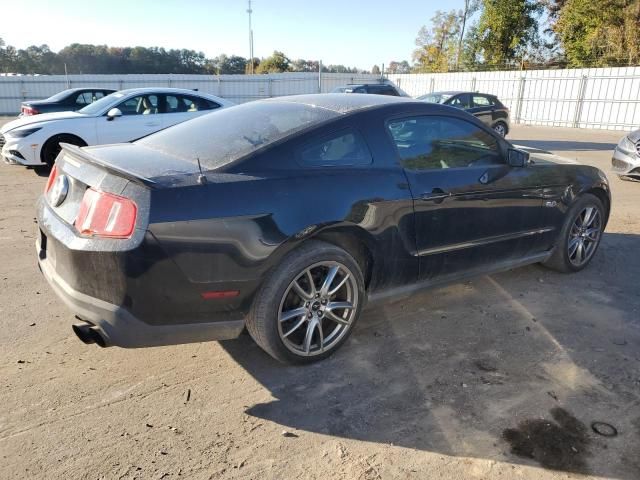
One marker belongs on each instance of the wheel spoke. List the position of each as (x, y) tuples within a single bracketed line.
[(331, 275), (312, 284), (320, 336), (306, 345), (334, 318), (295, 327), (573, 245), (580, 252), (592, 233), (339, 305), (588, 216), (289, 314), (335, 289), (301, 292)]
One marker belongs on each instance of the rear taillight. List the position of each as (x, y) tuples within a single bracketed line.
[(103, 214), (52, 178), (30, 111)]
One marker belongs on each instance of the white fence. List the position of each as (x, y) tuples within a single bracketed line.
[(237, 88), (587, 98), (584, 98)]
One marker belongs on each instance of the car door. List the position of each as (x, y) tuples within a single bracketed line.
[(482, 108), (139, 117), (472, 210), (180, 108)]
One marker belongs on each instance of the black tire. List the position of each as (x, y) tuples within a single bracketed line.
[(560, 259), (51, 147), (263, 322), (501, 129)]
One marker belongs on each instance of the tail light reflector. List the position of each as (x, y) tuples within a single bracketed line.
[(52, 179), (29, 111), (103, 214)]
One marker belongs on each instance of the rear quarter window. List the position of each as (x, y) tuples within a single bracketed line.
[(340, 149)]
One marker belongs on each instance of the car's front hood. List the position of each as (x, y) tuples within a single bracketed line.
[(634, 136), (35, 120), (543, 156)]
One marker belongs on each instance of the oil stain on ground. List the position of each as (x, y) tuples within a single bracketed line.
[(558, 444)]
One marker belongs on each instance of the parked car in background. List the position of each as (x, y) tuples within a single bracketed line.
[(371, 88), (481, 105), (287, 214), (72, 100), (626, 156), (120, 117)]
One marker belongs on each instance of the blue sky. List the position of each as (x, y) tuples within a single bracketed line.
[(351, 32)]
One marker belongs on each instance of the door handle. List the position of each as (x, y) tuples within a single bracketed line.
[(436, 195)]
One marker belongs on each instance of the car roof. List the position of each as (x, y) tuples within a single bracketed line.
[(456, 92), (341, 102), (185, 91)]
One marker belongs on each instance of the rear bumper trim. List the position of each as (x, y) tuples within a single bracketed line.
[(122, 329)]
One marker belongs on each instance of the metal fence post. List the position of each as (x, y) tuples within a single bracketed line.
[(432, 85), (319, 76), (519, 100), (473, 84), (219, 86), (270, 88), (580, 103)]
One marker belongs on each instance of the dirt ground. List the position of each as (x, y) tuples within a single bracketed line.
[(501, 377)]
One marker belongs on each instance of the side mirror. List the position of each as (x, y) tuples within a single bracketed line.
[(113, 113), (517, 158)]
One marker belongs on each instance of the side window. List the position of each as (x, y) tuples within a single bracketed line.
[(338, 150), (359, 90), (84, 99), (197, 104), (140, 105), (461, 101), (386, 90), (436, 142), (97, 95), (481, 101)]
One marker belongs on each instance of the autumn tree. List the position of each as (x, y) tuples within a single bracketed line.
[(436, 50), (602, 33), (278, 62), (505, 30)]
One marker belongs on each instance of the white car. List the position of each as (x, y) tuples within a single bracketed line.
[(626, 156), (120, 117)]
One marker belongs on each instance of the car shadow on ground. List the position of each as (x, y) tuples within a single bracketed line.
[(514, 367), (564, 145)]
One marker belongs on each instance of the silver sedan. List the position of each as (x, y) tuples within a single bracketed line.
[(626, 156)]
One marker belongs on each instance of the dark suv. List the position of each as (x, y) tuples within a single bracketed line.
[(372, 88), (482, 105)]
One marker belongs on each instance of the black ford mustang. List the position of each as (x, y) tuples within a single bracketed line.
[(286, 215)]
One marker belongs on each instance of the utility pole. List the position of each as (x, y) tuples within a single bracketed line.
[(250, 11)]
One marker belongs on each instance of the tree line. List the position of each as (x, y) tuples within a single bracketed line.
[(483, 35), (507, 34), (102, 59)]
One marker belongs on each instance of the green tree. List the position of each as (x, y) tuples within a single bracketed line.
[(278, 62), (436, 50), (505, 30), (399, 67), (602, 33), (375, 70)]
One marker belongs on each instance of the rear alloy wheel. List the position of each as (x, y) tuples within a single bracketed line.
[(501, 129), (308, 306), (580, 235)]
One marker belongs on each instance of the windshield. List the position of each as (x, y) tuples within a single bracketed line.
[(99, 105), (221, 137), (435, 97)]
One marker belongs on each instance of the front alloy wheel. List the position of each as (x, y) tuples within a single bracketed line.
[(318, 308), (584, 236)]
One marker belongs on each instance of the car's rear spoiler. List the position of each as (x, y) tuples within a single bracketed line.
[(85, 156)]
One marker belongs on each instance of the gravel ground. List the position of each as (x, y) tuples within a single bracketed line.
[(500, 377)]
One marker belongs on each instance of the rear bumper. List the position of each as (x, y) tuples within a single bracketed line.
[(118, 327)]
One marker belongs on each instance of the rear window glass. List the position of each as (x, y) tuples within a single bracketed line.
[(228, 134), (337, 150)]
